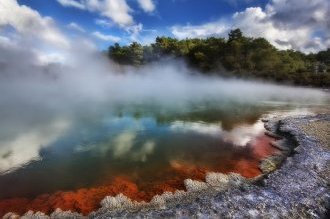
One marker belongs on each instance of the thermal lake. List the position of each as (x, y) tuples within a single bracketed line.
[(70, 138), (72, 161)]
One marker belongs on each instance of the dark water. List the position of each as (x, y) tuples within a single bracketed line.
[(149, 149)]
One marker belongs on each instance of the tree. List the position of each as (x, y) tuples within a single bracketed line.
[(118, 53), (165, 46), (324, 56), (239, 56), (135, 54), (235, 35)]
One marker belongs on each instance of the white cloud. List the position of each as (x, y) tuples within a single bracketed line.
[(217, 28), (71, 3), (105, 37), (116, 10), (147, 5), (29, 22), (134, 31), (297, 24), (75, 26), (256, 22), (104, 22), (149, 36)]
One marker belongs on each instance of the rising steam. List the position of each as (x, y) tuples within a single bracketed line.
[(45, 87)]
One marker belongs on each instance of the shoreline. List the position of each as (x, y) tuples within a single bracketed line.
[(294, 184)]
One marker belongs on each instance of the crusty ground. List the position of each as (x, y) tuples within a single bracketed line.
[(320, 130)]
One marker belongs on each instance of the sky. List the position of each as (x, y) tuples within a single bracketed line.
[(302, 25)]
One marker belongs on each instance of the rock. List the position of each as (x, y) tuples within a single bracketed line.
[(217, 180), (273, 135), (194, 185), (117, 203), (59, 214), (270, 164), (264, 120), (37, 215), (11, 215), (279, 146)]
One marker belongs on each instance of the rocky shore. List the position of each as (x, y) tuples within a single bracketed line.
[(295, 183)]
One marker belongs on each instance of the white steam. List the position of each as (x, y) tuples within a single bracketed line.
[(41, 85)]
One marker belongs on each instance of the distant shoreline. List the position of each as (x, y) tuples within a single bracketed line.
[(236, 56)]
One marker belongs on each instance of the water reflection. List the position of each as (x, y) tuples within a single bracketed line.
[(25, 147), (103, 148), (238, 136), (107, 145)]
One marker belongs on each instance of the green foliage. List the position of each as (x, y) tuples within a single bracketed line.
[(132, 54), (235, 35), (324, 56), (118, 53), (135, 54), (238, 56)]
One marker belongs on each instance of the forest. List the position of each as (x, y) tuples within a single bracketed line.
[(237, 56)]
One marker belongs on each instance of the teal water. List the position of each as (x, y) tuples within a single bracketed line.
[(136, 141)]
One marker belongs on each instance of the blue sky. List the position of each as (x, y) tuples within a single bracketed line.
[(167, 13), (302, 25)]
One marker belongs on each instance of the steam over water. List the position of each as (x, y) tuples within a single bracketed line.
[(89, 124), (75, 127)]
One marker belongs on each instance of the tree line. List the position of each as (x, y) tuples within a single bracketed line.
[(238, 56)]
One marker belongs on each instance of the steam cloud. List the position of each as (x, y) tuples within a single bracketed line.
[(41, 87)]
